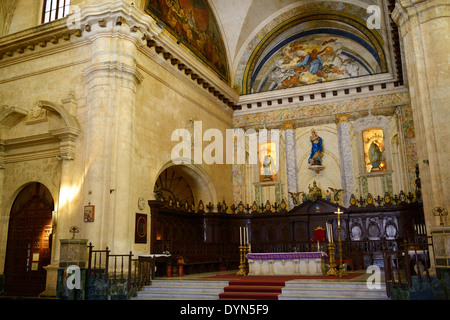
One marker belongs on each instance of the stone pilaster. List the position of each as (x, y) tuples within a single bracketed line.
[(345, 156), (424, 29), (117, 31), (291, 159), (64, 214)]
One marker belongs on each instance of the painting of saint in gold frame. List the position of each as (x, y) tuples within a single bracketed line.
[(89, 213), (268, 162), (374, 150)]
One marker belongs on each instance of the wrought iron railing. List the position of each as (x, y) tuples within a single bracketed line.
[(114, 269)]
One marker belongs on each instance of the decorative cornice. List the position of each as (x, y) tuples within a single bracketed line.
[(342, 90), (307, 114), (29, 40), (193, 70), (10, 115), (114, 68)]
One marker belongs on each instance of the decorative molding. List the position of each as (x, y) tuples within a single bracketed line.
[(56, 143), (342, 90), (37, 114), (10, 115), (67, 137), (355, 105), (184, 64), (29, 40), (113, 69)]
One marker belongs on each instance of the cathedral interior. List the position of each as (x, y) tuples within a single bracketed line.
[(151, 126)]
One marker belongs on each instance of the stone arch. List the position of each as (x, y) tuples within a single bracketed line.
[(197, 178), (69, 119)]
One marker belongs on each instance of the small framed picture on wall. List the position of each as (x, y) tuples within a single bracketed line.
[(140, 235), (89, 213)]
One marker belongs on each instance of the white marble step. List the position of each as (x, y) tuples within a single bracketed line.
[(298, 290), (182, 290), (293, 290)]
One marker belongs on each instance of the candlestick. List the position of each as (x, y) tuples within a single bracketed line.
[(341, 271), (332, 270), (243, 265)]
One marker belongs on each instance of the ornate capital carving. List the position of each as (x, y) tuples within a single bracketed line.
[(424, 10), (67, 138), (65, 156), (288, 125), (342, 117)]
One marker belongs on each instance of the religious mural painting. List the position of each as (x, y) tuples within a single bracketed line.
[(193, 24), (310, 60), (316, 42), (374, 156)]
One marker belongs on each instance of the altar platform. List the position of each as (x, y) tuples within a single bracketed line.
[(226, 285), (287, 263)]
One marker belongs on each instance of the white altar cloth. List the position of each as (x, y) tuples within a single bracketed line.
[(289, 263)]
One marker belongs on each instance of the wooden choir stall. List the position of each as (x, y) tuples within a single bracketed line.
[(282, 242)]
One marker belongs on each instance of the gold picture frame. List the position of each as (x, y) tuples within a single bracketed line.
[(89, 213)]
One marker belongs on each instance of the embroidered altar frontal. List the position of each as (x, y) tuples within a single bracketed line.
[(289, 263)]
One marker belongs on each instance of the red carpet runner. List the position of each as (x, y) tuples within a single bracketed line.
[(252, 289), (262, 287)]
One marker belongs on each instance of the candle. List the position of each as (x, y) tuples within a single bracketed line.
[(246, 230), (240, 236)]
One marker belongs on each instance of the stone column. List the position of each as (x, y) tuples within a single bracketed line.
[(291, 159), (345, 157), (424, 28), (117, 33)]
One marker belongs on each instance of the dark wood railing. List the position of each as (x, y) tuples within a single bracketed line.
[(399, 267)]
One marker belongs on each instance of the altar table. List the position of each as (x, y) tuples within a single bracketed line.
[(289, 263)]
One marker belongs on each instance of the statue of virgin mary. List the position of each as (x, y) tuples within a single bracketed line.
[(315, 158)]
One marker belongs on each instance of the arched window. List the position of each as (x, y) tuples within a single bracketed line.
[(55, 9)]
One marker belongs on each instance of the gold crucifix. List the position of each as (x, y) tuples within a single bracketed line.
[(341, 271)]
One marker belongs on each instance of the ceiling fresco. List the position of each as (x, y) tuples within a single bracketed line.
[(193, 24), (309, 44)]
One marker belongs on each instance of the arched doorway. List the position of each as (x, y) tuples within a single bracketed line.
[(29, 241)]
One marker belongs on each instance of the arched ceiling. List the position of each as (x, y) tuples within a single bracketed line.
[(241, 19), (250, 40)]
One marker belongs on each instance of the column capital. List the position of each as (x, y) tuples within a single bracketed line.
[(425, 10), (288, 124), (342, 117)]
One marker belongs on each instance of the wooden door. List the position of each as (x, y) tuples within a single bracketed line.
[(29, 241)]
